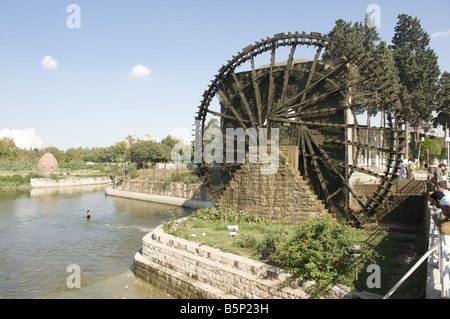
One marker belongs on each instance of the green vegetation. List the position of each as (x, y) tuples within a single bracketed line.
[(184, 177), (16, 180), (311, 250), (17, 165), (411, 67), (319, 250), (125, 160), (143, 152)]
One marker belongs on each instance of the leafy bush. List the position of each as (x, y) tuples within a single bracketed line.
[(226, 215), (270, 243), (17, 165), (185, 177), (76, 164), (319, 251), (16, 180)]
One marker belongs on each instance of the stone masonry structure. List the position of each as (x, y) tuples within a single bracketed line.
[(283, 196), (181, 190), (187, 269)]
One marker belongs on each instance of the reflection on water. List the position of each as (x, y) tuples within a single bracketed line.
[(43, 231), (64, 191)]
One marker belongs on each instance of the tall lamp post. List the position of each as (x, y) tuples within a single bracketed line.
[(447, 139), (420, 144)]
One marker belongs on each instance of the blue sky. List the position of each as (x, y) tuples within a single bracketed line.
[(90, 97)]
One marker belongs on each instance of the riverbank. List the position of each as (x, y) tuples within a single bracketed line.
[(44, 230), (163, 199), (69, 181), (19, 182), (122, 286)]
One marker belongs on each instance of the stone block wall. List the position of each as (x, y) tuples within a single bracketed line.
[(189, 270), (187, 191), (283, 196), (405, 205), (69, 181)]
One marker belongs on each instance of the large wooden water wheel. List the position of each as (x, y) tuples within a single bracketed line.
[(317, 106)]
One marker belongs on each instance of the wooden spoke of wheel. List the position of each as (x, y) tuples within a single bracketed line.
[(257, 93), (331, 125), (313, 101), (244, 104), (315, 163), (289, 102), (331, 163)]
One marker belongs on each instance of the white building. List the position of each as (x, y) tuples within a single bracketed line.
[(24, 139), (146, 138)]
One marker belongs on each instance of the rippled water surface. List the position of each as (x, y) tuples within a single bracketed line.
[(43, 231)]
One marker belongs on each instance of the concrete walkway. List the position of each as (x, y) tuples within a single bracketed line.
[(170, 200)]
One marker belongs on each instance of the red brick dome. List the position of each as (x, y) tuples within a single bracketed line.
[(47, 164)]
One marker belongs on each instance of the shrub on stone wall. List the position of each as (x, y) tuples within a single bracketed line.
[(319, 251), (226, 215)]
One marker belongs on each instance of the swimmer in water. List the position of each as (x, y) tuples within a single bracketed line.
[(88, 214)]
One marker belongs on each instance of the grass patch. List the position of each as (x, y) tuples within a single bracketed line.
[(311, 250), (249, 239)]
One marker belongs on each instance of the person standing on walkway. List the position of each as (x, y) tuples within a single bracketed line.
[(439, 173), (443, 221)]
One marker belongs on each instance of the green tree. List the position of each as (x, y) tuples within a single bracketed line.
[(443, 102), (110, 154), (76, 164), (429, 148), (140, 152), (8, 149), (120, 149), (129, 139), (75, 154), (170, 141), (362, 34), (162, 153), (418, 70), (98, 155), (365, 37)]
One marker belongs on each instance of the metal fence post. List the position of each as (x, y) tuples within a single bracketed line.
[(444, 264)]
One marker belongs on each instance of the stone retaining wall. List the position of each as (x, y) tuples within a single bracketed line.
[(69, 181), (171, 200), (186, 269), (281, 196), (181, 190), (405, 205)]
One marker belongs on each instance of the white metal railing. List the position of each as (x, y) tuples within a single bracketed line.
[(444, 264), (443, 247)]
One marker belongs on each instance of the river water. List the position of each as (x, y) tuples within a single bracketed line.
[(44, 231)]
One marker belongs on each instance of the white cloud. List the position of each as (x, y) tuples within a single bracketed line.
[(140, 72), (441, 34), (49, 63)]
